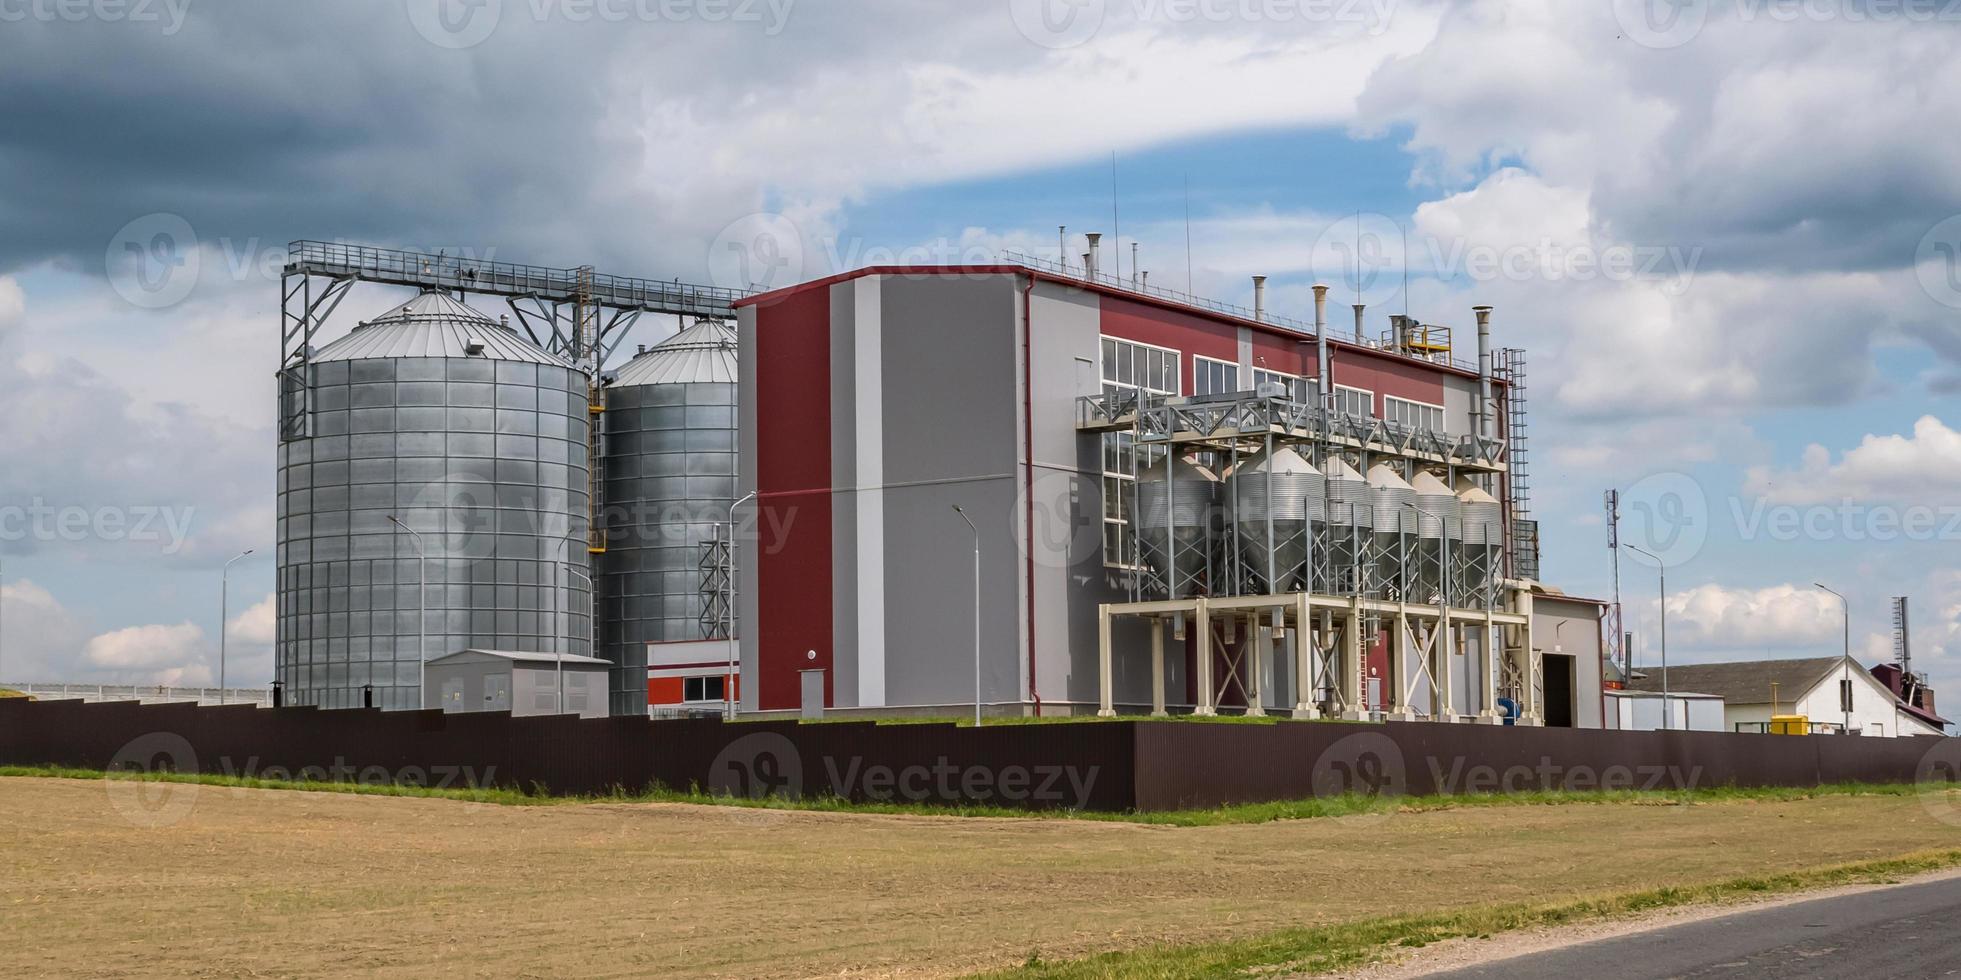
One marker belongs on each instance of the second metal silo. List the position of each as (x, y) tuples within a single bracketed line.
[(1276, 501), (1395, 527), (669, 465), (474, 439)]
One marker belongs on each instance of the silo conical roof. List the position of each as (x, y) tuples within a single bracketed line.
[(434, 324), (701, 354)]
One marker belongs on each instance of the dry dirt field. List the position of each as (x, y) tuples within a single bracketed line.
[(295, 884)]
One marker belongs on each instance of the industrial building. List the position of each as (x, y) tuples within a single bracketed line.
[(1178, 505)]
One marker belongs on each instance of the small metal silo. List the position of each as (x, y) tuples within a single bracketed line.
[(1293, 489), (1177, 503), (670, 453)]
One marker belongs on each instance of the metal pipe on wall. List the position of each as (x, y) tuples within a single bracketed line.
[(1484, 370), (1323, 378)]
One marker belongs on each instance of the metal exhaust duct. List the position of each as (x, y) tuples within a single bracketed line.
[(1484, 370), (1062, 246), (1358, 324), (1259, 297), (1323, 378), (1089, 260)]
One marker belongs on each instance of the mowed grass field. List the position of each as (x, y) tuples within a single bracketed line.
[(305, 884)]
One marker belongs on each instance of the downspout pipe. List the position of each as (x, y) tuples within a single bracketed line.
[(1485, 412), (1028, 467), (1324, 380)]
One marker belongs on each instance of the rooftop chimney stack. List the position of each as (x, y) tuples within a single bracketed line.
[(1089, 262), (1062, 246), (1358, 324), (1485, 407), (1322, 374), (1259, 298)]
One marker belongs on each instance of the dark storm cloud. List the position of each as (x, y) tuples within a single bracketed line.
[(343, 121)]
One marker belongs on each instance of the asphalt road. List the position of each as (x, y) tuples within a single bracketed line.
[(1903, 931)]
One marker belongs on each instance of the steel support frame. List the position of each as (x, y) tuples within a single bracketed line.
[(1328, 632)]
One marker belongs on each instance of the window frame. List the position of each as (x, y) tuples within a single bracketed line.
[(1341, 389), (1442, 413), (1227, 369), (1117, 541)]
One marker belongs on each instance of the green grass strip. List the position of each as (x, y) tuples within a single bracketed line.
[(1240, 813), (1323, 949)]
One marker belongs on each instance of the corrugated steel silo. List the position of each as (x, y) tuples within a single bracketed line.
[(669, 470), (475, 439)]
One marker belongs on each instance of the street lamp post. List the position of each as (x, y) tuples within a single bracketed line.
[(729, 678), (1845, 694), (977, 613), (421, 615), (1666, 708), (224, 618)]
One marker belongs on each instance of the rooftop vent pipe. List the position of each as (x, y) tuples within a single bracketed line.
[(1089, 261), (1259, 297), (1358, 324), (1484, 370), (1062, 246), (1323, 376)]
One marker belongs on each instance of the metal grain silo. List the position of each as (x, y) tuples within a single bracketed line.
[(669, 470), (475, 439), (1293, 488), (1177, 504)]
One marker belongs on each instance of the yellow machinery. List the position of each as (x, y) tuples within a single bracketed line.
[(1789, 725)]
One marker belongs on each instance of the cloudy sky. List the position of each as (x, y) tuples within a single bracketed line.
[(1728, 235)]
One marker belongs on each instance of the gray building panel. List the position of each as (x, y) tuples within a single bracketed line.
[(949, 434)]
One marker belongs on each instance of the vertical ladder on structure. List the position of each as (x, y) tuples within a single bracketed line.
[(585, 341), (1518, 451)]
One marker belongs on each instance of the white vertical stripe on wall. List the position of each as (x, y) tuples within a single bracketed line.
[(870, 481)]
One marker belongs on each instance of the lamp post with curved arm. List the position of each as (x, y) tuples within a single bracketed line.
[(421, 615), (1666, 709)]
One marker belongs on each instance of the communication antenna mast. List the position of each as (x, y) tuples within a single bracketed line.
[(1616, 638)]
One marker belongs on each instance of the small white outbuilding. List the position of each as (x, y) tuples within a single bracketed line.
[(524, 684)]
